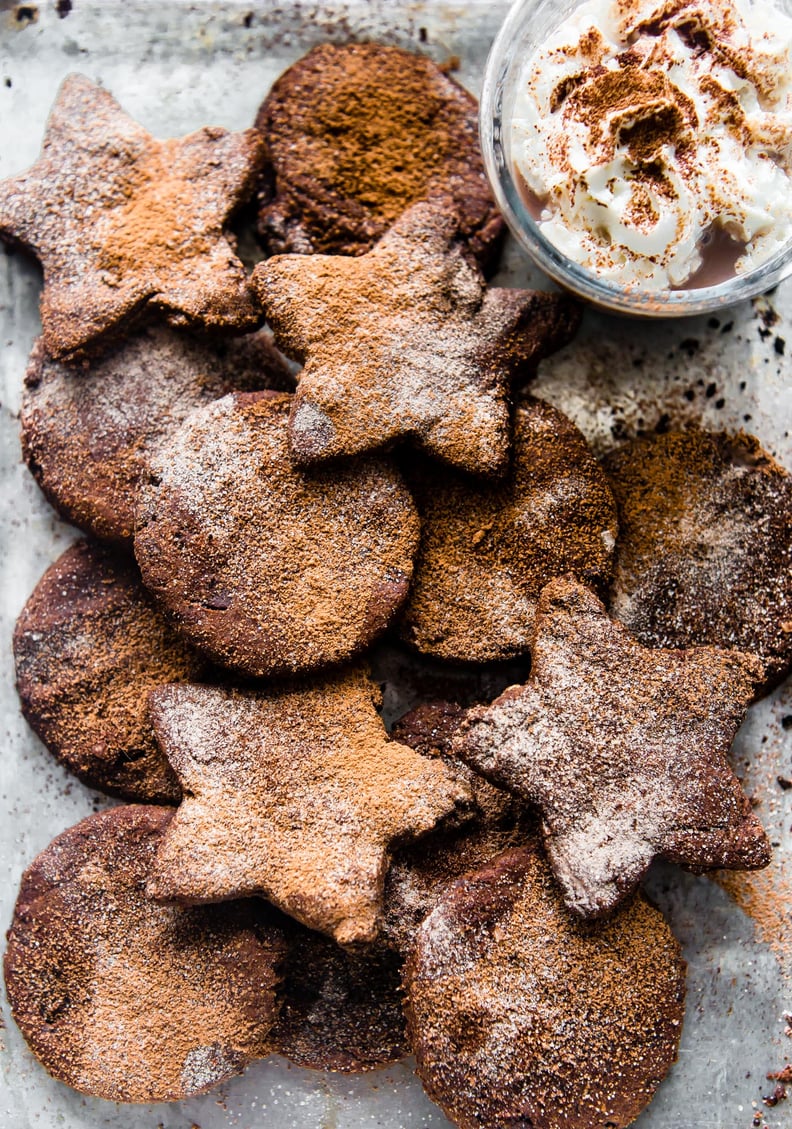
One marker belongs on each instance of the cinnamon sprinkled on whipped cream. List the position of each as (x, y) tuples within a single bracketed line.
[(644, 127)]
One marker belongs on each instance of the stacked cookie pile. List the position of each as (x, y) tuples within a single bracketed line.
[(261, 507)]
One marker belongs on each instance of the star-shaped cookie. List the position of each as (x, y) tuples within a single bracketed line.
[(122, 222), (295, 794), (406, 341), (623, 749)]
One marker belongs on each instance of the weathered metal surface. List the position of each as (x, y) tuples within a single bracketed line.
[(176, 66)]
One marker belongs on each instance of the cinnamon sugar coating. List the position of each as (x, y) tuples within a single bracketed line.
[(266, 569), (295, 793), (705, 548), (420, 872), (623, 749), (355, 135), (125, 999), (123, 224), (88, 433), (407, 342), (89, 645), (522, 1016), (487, 551), (339, 1011)]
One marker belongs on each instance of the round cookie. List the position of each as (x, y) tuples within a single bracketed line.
[(267, 569), (89, 645), (125, 999), (521, 1016), (357, 133), (88, 433), (705, 545), (487, 551), (339, 1010)]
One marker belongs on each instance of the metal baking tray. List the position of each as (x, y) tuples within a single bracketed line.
[(176, 66)]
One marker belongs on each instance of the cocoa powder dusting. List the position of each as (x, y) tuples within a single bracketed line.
[(358, 133), (624, 750), (267, 569), (88, 433), (124, 224), (407, 342), (487, 551)]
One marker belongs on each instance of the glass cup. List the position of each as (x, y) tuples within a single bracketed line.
[(525, 29)]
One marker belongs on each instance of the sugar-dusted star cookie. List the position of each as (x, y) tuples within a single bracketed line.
[(623, 749), (406, 342), (293, 793), (122, 222)]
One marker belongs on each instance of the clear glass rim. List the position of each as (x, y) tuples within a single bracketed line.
[(568, 274)]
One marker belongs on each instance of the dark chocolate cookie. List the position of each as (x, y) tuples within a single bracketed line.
[(521, 1016), (487, 551), (267, 569), (88, 433), (705, 545), (419, 872), (339, 1010), (125, 225), (125, 999), (357, 133), (89, 645)]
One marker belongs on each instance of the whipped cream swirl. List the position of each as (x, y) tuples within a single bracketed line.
[(644, 127)]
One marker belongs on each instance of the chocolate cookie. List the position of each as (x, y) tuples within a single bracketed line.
[(521, 1016), (407, 342), (266, 569), (705, 545), (355, 135), (487, 551), (339, 1010), (419, 872), (89, 645), (623, 749), (124, 224), (125, 999), (295, 793), (88, 434)]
